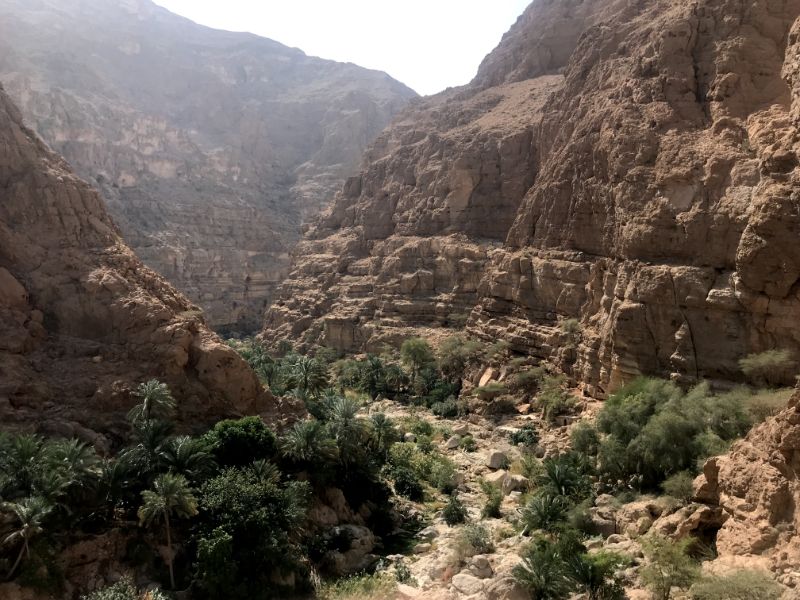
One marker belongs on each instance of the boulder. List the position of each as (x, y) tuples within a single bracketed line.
[(497, 459)]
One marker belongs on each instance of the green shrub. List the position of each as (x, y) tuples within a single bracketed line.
[(455, 354), (767, 403), (525, 436), (679, 486), (416, 353), (565, 475), (447, 409), (454, 512), (528, 380), (494, 498), (407, 483), (553, 400), (241, 441), (585, 439), (121, 590), (739, 585), (491, 390), (468, 444), (474, 539), (443, 474), (769, 368), (543, 572), (668, 566)]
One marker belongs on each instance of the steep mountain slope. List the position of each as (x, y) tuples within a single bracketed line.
[(637, 160), (82, 320), (210, 147)]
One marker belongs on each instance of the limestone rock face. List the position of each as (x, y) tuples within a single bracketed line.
[(756, 486), (210, 148), (82, 320), (628, 165)]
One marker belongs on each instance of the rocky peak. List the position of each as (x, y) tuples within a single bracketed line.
[(82, 319), (210, 147)]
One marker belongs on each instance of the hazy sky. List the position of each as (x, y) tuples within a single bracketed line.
[(427, 44)]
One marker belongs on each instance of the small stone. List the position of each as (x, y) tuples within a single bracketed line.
[(467, 584), (422, 548), (409, 437), (497, 478), (453, 442), (461, 429), (97, 359), (428, 534)]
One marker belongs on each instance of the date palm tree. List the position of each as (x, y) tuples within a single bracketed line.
[(187, 456), (307, 442), (307, 376), (171, 496), (29, 515), (155, 402)]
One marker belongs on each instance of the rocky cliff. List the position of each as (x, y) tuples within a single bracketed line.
[(756, 485), (210, 147), (82, 320), (631, 165)]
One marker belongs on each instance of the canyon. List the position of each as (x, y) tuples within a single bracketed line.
[(210, 148), (630, 166)]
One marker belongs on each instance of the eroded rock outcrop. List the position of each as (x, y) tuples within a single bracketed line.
[(82, 320), (209, 147), (637, 160), (756, 485)]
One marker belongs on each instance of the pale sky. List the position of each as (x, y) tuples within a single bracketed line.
[(427, 44)]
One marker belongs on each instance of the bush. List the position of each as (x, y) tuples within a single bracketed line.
[(585, 439), (122, 590), (545, 511), (416, 353), (443, 475), (491, 390), (543, 572), (679, 486), (454, 512), (358, 587), (653, 430), (468, 444), (240, 442), (553, 400), (739, 585), (528, 381), (769, 368), (407, 484), (494, 498), (473, 539), (446, 410), (525, 436), (455, 354), (668, 566), (767, 403)]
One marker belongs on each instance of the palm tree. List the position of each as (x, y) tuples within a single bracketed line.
[(384, 433), (372, 376), (308, 442), (22, 460), (594, 574), (266, 471), (347, 429), (29, 514), (542, 572), (545, 511), (564, 477), (307, 375), (150, 438), (77, 461), (170, 496), (187, 456), (155, 402)]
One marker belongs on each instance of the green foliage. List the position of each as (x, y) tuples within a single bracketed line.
[(668, 566), (769, 368), (545, 511), (241, 441), (358, 587), (585, 439), (766, 403), (553, 399), (525, 436), (543, 572), (454, 512), (456, 354), (28, 518), (491, 390), (121, 590), (528, 381), (155, 402), (407, 483), (306, 376), (252, 522), (468, 444), (494, 498), (416, 353), (653, 430), (679, 486), (189, 457), (474, 539), (443, 474), (738, 585), (371, 377), (595, 574), (565, 475), (308, 445), (447, 409), (499, 350)]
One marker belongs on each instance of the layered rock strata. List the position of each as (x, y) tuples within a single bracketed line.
[(82, 320), (628, 165), (210, 147)]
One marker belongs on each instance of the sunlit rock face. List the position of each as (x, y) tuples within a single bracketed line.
[(211, 148), (632, 166)]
